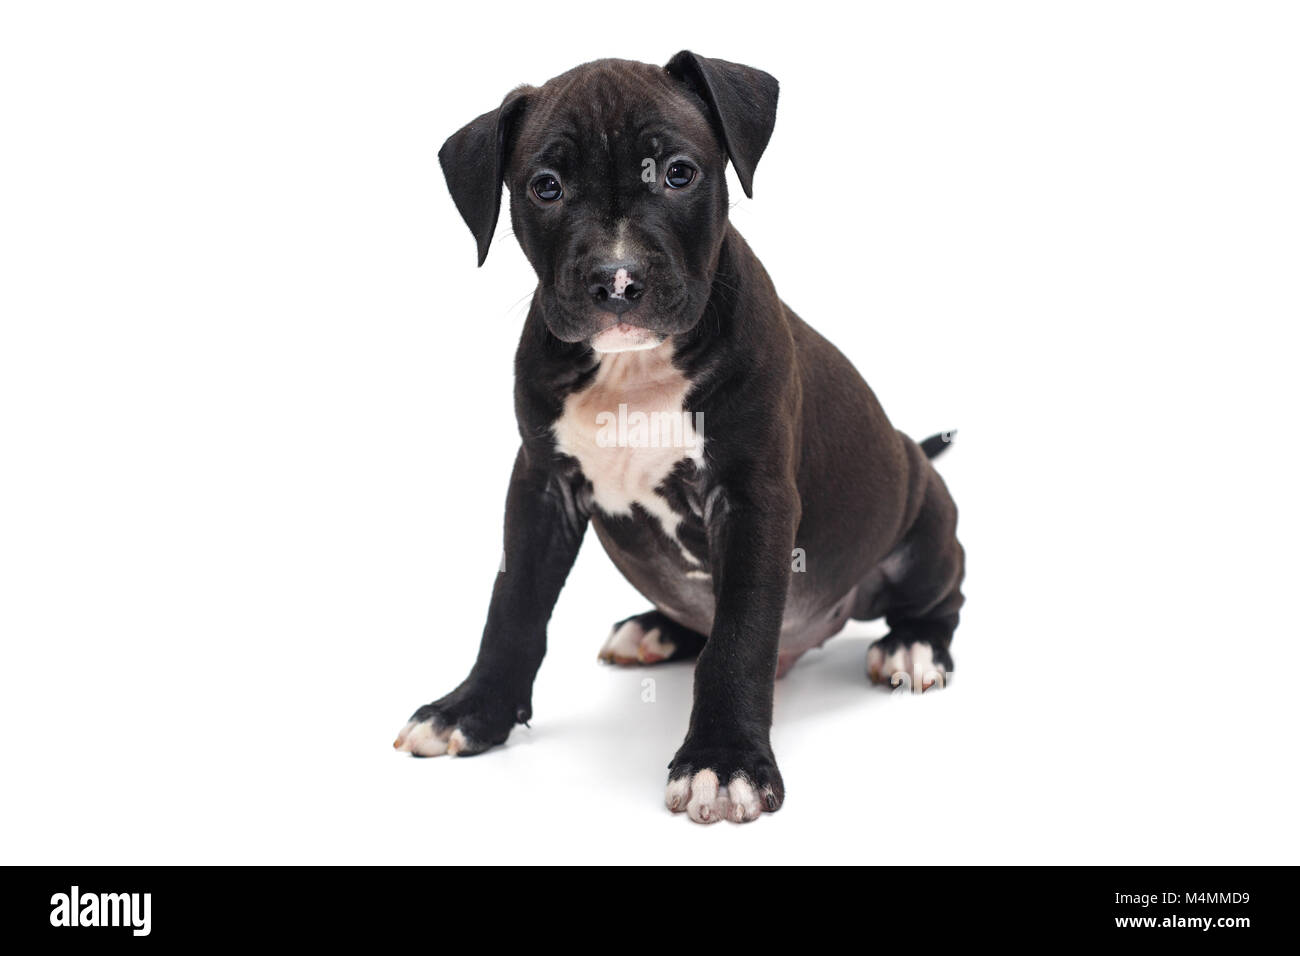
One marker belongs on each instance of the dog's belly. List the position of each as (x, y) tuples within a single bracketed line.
[(682, 587), (653, 566)]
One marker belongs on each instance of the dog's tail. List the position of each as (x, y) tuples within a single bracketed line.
[(936, 445)]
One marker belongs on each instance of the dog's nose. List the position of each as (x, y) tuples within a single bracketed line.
[(616, 286)]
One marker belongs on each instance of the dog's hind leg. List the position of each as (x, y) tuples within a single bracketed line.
[(922, 597), (650, 638)]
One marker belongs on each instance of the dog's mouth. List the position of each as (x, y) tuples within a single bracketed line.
[(624, 337)]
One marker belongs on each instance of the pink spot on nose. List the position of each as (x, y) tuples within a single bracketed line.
[(621, 281)]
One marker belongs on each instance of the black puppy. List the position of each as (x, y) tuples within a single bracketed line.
[(735, 466)]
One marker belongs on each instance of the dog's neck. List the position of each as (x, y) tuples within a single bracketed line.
[(639, 370)]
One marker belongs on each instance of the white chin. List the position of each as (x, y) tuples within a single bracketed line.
[(625, 338)]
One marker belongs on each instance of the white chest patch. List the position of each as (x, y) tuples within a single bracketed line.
[(628, 429)]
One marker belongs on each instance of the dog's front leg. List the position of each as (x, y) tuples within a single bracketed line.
[(725, 767), (545, 522)]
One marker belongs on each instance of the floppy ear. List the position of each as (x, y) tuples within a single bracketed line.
[(742, 101), (474, 160)]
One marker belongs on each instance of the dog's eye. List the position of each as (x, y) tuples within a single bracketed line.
[(547, 188), (679, 175)]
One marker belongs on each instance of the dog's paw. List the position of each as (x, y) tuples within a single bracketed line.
[(426, 738), (630, 643), (649, 638), (918, 664), (467, 721), (713, 784)]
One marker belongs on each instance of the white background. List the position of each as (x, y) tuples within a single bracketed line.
[(256, 429)]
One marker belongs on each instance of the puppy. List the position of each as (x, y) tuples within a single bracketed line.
[(734, 465)]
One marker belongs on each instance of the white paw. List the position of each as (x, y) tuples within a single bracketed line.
[(632, 644), (911, 664), (705, 801), (423, 741)]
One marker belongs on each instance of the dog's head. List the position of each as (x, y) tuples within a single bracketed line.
[(618, 194)]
